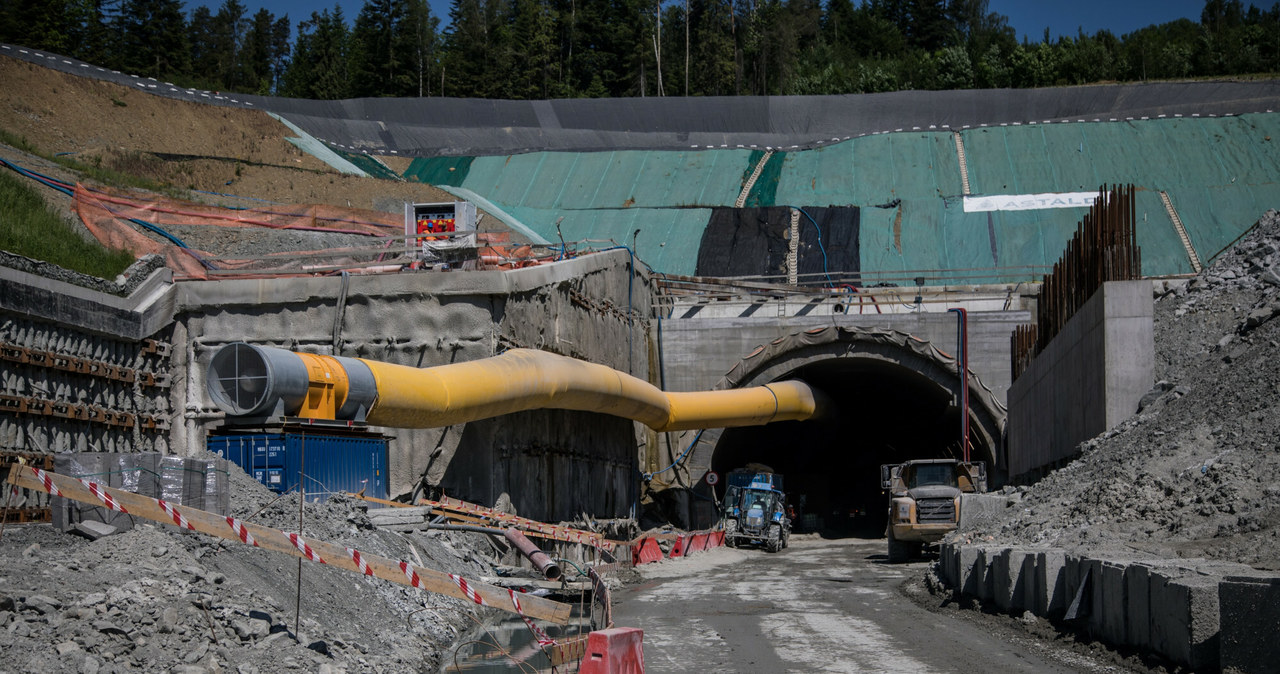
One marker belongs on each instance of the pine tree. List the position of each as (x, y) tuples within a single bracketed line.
[(155, 43), (318, 68)]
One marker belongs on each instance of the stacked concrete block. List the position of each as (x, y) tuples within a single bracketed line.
[(121, 471), (1249, 624), (173, 478)]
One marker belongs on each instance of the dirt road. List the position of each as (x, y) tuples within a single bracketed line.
[(819, 605)]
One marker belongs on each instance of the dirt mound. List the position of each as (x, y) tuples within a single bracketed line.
[(155, 599), (1196, 473)]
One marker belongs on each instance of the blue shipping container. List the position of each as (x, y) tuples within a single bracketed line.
[(334, 463)]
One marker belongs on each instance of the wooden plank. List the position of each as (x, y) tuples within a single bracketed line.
[(568, 650), (559, 533), (289, 543)]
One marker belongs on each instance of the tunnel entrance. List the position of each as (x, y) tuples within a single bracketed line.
[(882, 408)]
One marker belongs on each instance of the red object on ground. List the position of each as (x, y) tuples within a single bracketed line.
[(644, 551), (677, 550), (698, 544), (619, 650)]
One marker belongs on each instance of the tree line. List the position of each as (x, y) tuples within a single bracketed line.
[(540, 49)]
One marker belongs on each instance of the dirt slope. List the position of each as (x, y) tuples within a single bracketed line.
[(188, 145), (1197, 472)]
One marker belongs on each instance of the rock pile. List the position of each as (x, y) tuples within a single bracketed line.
[(155, 599), (1196, 473)]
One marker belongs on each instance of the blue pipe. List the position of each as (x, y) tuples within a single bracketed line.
[(694, 443), (67, 190)]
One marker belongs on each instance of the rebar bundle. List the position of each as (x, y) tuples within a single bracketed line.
[(1104, 248)]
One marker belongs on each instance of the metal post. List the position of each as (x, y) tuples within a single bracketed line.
[(962, 367)]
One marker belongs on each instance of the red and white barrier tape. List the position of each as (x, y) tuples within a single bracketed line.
[(305, 549), (360, 563), (238, 527), (466, 589), (46, 481), (103, 496), (412, 574), (541, 637), (178, 518)]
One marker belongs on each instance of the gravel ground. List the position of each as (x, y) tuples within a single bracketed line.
[(1196, 473), (157, 600)]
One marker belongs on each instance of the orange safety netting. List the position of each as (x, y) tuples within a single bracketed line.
[(107, 213), (499, 253)]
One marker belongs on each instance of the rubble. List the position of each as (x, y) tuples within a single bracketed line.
[(156, 599), (1196, 473)]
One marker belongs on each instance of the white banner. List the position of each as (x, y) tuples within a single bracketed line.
[(1029, 202)]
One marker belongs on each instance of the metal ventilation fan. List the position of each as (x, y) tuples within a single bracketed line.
[(247, 380)]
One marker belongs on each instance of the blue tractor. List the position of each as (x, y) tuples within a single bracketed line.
[(755, 510)]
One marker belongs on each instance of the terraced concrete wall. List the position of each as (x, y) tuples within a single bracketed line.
[(84, 363), (551, 464)]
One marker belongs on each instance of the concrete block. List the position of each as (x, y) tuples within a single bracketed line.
[(93, 530), (1050, 583), (982, 575), (1110, 602), (967, 576), (1092, 604), (1138, 606), (1008, 583), (1249, 618), (411, 515), (1073, 576), (949, 560), (1029, 581), (1184, 617)]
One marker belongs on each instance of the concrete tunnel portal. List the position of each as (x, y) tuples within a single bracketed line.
[(884, 404)]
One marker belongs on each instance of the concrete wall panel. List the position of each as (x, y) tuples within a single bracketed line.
[(1090, 378), (1249, 619)]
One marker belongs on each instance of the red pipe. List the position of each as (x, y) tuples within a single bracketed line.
[(535, 554), (962, 365)]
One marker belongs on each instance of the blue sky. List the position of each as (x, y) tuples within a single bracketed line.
[(1028, 17)]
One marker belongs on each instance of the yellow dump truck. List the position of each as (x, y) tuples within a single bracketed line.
[(925, 501)]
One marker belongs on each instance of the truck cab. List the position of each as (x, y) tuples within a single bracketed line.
[(925, 501)]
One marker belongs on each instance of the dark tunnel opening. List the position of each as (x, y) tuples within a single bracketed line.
[(879, 413)]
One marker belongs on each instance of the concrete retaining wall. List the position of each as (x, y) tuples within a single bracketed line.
[(83, 370), (1089, 379), (1198, 613)]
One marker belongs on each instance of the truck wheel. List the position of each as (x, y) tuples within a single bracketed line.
[(786, 536), (774, 539), (899, 551), (730, 533)]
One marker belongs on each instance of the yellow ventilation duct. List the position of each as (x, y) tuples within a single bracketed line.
[(246, 380)]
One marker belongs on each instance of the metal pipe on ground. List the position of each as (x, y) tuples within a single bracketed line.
[(535, 554)]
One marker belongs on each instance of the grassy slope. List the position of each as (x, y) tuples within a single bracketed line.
[(29, 228)]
